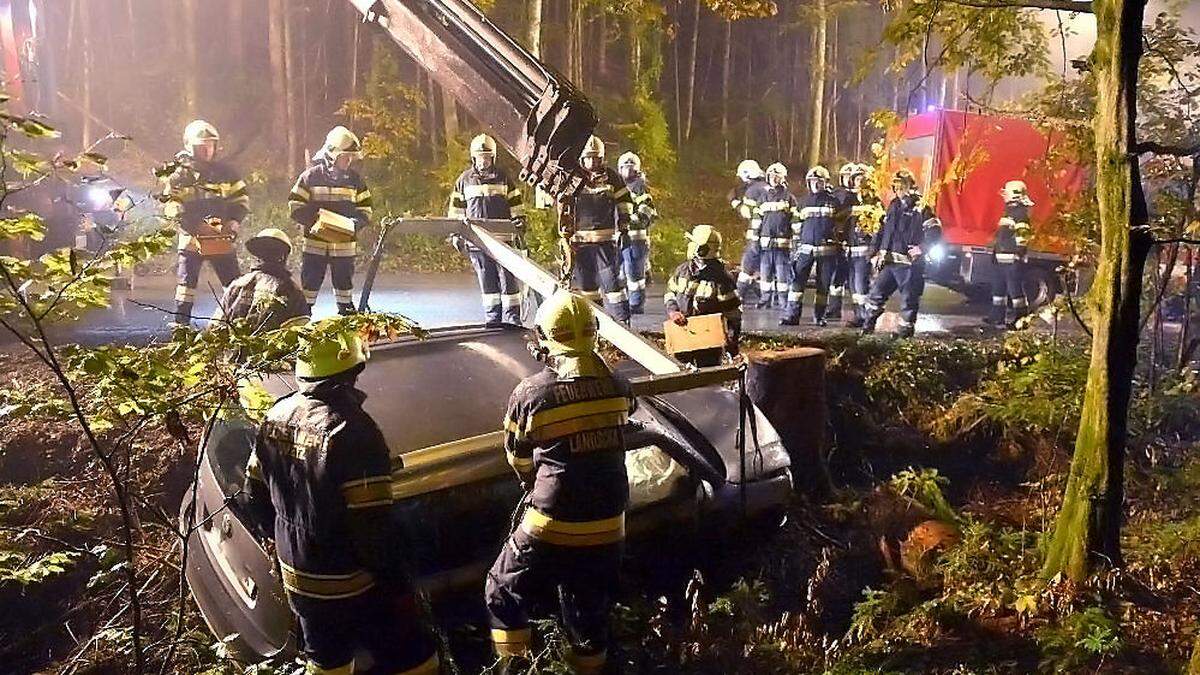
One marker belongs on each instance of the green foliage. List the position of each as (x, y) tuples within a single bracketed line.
[(991, 570), (924, 486), (1080, 640), (872, 613), (924, 373), (21, 568)]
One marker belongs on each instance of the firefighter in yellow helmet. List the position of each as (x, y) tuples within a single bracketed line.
[(319, 482), (603, 211), (564, 438), (208, 200), (332, 204), (485, 190), (703, 285), (266, 296)]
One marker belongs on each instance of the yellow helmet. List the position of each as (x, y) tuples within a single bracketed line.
[(749, 169), (703, 242), (320, 358), (593, 148), (341, 141), (483, 145), (271, 243), (199, 131), (566, 325), (905, 177)]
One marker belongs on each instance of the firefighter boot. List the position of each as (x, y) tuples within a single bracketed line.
[(183, 314), (345, 309)]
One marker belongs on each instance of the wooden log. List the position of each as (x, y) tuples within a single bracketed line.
[(789, 387)]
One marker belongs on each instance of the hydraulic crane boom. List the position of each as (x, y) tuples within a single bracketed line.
[(533, 111)]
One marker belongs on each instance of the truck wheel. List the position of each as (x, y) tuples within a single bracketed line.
[(1041, 286)]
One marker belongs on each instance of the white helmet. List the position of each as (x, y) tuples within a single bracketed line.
[(777, 169), (593, 148), (483, 145), (199, 131), (749, 169), (341, 141), (1016, 190), (818, 172), (630, 159)]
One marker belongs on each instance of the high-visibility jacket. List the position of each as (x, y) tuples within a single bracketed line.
[(705, 287), (603, 208), (776, 210), (907, 224), (564, 435), (342, 191), (816, 228), (487, 194), (743, 199), (1012, 237), (320, 479), (644, 212), (266, 296), (860, 224), (206, 190)]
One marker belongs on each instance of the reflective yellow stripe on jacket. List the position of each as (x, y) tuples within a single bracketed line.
[(573, 533), (326, 586), (576, 418)]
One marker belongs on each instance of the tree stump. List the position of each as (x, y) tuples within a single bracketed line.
[(789, 387)]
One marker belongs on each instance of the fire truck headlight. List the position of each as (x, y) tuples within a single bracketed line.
[(937, 253)]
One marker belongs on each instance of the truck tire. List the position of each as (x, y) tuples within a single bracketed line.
[(1041, 286)]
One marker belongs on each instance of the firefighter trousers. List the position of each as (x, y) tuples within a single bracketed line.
[(384, 624), (910, 281), (860, 285), (774, 277), (188, 273), (1008, 288), (581, 580), (749, 272), (499, 289), (312, 277), (802, 267), (634, 259), (837, 286), (597, 277)]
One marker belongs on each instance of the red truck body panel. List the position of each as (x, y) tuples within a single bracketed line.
[(966, 158)]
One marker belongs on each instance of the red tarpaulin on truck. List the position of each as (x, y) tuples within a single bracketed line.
[(967, 158)]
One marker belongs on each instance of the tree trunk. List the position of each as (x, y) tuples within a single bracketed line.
[(190, 65), (1087, 531), (818, 74), (691, 90), (88, 134), (726, 71), (281, 122), (533, 27), (449, 116), (831, 130), (574, 42), (678, 105), (237, 38), (789, 388)]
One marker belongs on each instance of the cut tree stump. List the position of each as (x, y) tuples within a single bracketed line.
[(789, 387)]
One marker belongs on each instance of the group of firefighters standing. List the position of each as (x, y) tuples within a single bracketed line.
[(320, 472)]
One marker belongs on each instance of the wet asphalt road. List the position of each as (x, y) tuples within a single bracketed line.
[(142, 314)]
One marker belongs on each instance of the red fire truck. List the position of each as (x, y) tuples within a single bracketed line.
[(961, 161)]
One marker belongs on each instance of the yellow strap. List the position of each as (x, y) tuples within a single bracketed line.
[(368, 492), (313, 669), (573, 533), (581, 409), (325, 586), (512, 642)]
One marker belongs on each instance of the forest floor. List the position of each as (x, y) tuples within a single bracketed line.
[(948, 459)]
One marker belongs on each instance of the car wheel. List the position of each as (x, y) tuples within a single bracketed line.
[(1041, 286)]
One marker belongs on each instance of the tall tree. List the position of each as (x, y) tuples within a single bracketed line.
[(818, 75), (191, 65), (691, 88), (533, 27)]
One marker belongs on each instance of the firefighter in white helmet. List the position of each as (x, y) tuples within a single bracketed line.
[(860, 210), (208, 200), (485, 190), (564, 437), (703, 285), (743, 199), (603, 211), (1009, 249), (332, 204), (635, 257), (776, 210), (817, 244), (266, 296)]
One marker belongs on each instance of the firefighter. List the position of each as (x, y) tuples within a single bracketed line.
[(702, 285), (898, 254), (635, 258), (266, 295), (776, 210), (860, 211), (319, 481), (209, 200), (743, 199), (814, 244), (844, 193), (1008, 251), (330, 184), (486, 191), (603, 211), (564, 438)]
